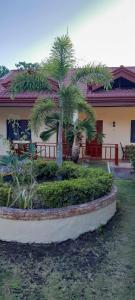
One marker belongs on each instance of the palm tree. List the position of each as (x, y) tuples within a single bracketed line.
[(60, 61)]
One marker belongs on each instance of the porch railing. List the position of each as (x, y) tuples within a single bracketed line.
[(47, 151), (100, 152), (95, 152)]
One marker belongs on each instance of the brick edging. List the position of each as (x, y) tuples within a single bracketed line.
[(58, 213)]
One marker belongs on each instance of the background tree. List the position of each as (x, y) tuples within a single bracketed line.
[(22, 65), (30, 78), (29, 81), (3, 71)]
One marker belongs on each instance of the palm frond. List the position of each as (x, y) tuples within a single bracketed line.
[(52, 120), (45, 135), (61, 58), (41, 109), (70, 97), (88, 127), (92, 74), (84, 107)]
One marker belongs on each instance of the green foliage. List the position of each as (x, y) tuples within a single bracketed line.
[(91, 172), (23, 182), (61, 58), (74, 191), (22, 65), (70, 97), (45, 170), (52, 123), (86, 126), (41, 110), (3, 71), (29, 81), (68, 170), (92, 74), (133, 164), (24, 191), (5, 194), (78, 184), (130, 152)]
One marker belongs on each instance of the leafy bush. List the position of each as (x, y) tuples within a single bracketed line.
[(74, 191), (133, 164), (79, 184), (130, 152), (45, 170), (23, 182), (85, 172), (68, 170), (48, 170), (5, 194)]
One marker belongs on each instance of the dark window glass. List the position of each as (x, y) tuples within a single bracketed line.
[(132, 131), (18, 130)]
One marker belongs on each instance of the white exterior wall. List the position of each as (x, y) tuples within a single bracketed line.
[(16, 113), (122, 117), (113, 135)]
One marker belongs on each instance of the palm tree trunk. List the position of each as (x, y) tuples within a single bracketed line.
[(59, 157), (76, 150)]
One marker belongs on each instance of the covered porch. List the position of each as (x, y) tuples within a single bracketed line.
[(106, 152)]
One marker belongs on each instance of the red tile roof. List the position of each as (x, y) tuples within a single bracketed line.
[(95, 97)]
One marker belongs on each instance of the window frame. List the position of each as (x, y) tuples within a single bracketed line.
[(132, 133), (11, 135)]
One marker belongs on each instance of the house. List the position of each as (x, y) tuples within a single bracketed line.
[(114, 110)]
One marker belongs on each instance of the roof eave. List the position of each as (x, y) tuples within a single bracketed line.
[(112, 101)]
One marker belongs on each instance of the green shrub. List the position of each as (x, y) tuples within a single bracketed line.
[(79, 185), (92, 172), (130, 152), (5, 195), (45, 170), (68, 170), (74, 191), (133, 164)]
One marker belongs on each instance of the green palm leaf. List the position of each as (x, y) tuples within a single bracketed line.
[(92, 74), (42, 108)]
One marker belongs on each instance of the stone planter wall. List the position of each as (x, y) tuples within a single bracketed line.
[(55, 225)]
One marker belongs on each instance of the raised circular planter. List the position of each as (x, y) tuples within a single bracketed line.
[(58, 224)]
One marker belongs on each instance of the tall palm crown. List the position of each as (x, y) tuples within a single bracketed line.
[(61, 57)]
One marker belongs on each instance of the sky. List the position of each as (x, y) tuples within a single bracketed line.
[(102, 31)]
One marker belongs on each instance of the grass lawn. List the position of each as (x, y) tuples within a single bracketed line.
[(97, 266)]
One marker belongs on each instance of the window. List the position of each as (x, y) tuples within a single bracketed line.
[(18, 130), (132, 139)]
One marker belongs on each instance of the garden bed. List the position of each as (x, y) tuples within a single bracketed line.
[(45, 203), (58, 224)]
